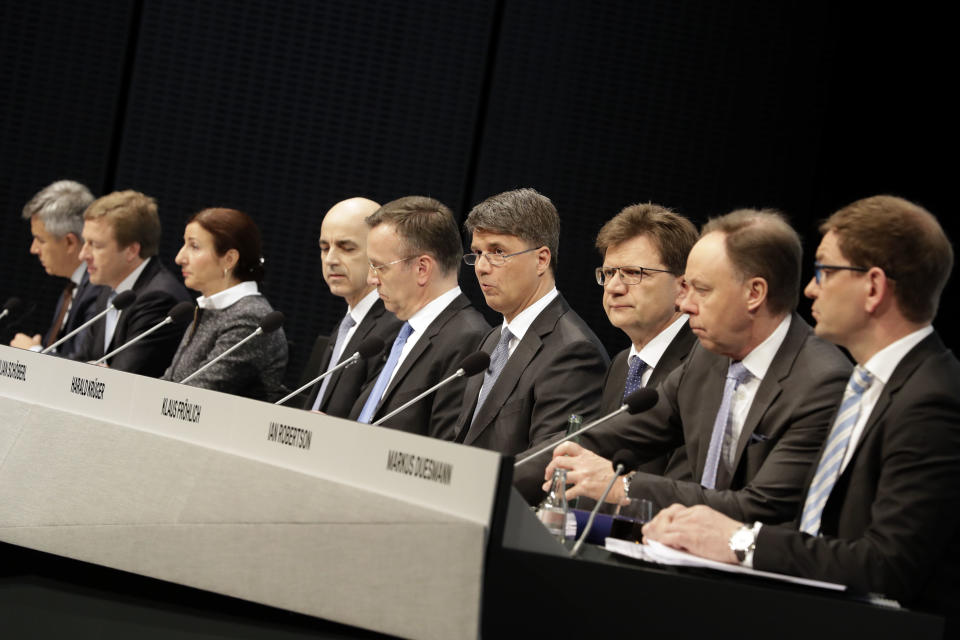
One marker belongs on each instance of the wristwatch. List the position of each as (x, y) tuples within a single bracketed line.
[(744, 541), (627, 479)]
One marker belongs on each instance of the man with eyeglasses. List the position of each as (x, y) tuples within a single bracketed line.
[(414, 254), (644, 250), (343, 258), (752, 402), (881, 506), (545, 362)]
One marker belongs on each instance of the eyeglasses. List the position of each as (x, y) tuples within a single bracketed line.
[(628, 275), (378, 269), (494, 258), (818, 270)]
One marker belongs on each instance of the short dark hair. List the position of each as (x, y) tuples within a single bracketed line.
[(60, 206), (903, 239), (523, 213), (425, 225), (761, 243), (232, 229), (133, 218), (672, 234)]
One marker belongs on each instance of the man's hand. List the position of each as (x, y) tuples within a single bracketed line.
[(586, 471), (23, 341), (699, 530)]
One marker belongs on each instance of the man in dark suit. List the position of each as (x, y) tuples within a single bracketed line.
[(644, 250), (546, 363), (343, 255), (881, 507), (55, 214), (121, 234), (752, 402), (414, 251)]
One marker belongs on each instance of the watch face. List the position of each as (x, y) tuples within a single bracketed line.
[(741, 539)]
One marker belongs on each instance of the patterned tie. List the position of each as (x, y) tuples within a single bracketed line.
[(373, 400), (736, 374), (498, 359), (634, 376), (828, 470), (66, 298), (345, 325), (110, 322)]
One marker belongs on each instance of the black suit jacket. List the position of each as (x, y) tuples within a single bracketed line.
[(892, 522), (672, 464), (157, 292), (784, 429), (556, 370), (345, 385), (83, 308), (452, 336)]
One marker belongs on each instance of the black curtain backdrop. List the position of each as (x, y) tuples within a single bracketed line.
[(282, 109)]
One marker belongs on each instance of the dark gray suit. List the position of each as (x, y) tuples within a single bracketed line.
[(673, 464), (157, 292), (82, 309), (556, 370), (452, 336), (892, 522), (784, 429), (345, 385)]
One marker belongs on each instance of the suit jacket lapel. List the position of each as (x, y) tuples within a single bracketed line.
[(120, 333), (672, 358), (711, 390), (359, 335)]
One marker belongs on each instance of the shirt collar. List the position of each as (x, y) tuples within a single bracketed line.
[(758, 361), (131, 279), (77, 276), (520, 324), (429, 312), (655, 348), (359, 312), (227, 297), (883, 362)]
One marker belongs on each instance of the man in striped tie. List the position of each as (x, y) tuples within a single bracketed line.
[(881, 512)]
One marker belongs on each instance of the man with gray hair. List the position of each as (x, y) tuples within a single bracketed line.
[(751, 403), (55, 214), (545, 362)]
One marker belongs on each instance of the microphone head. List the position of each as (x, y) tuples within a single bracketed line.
[(370, 347), (641, 400), (625, 457), (475, 363), (12, 304), (124, 299), (272, 321), (182, 312)]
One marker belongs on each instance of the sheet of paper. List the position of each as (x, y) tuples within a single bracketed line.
[(660, 554)]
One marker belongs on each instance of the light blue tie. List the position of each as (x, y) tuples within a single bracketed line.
[(736, 374), (345, 326), (373, 400), (499, 357), (110, 323), (634, 376), (828, 469)]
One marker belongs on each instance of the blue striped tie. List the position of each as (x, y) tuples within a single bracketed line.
[(736, 374), (373, 400), (828, 470)]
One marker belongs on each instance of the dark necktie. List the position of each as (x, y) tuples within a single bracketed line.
[(66, 299)]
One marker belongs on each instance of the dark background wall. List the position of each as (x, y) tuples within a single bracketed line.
[(282, 109)]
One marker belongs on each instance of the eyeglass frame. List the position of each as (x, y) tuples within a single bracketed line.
[(819, 267), (602, 281), (502, 257), (377, 269)]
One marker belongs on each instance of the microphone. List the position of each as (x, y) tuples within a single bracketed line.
[(181, 312), (367, 349), (637, 402), (623, 460), (122, 300), (270, 323), (10, 306), (469, 366)]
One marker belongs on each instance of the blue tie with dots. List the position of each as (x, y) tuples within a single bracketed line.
[(634, 376)]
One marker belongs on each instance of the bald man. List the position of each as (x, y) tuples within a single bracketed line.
[(343, 255)]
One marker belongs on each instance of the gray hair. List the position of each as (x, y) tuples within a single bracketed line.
[(60, 207), (523, 213)]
